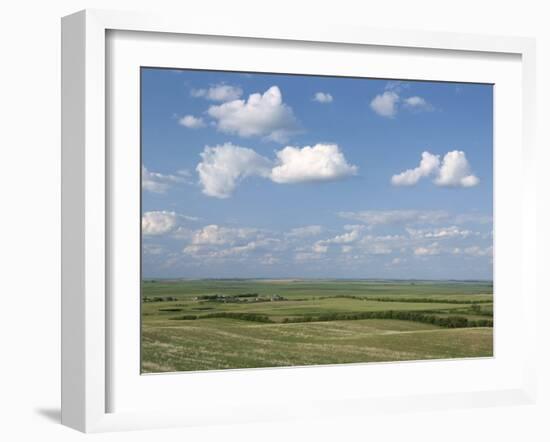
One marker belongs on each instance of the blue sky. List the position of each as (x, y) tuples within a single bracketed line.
[(262, 175)]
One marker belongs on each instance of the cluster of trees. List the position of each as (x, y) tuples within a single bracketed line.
[(158, 299), (243, 297), (187, 317), (442, 321), (417, 300), (452, 321), (476, 310), (212, 297), (254, 317)]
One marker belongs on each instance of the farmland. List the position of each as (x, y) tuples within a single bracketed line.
[(244, 323)]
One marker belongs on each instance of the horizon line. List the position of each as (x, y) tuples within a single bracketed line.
[(311, 278)]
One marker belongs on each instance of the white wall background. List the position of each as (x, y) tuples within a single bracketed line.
[(30, 215)]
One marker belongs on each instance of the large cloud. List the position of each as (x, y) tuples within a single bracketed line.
[(453, 171), (263, 115), (222, 167), (428, 165), (322, 162)]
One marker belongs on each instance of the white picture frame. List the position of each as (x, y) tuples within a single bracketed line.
[(87, 207)]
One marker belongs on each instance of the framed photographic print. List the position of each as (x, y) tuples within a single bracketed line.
[(250, 214), (313, 252)]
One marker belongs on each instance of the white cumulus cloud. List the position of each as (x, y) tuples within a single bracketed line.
[(192, 122), (428, 165), (264, 115), (322, 162), (385, 104), (453, 171), (223, 167), (158, 222), (390, 102), (219, 92), (323, 97)]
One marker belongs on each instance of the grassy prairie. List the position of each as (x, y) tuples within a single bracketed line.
[(273, 323)]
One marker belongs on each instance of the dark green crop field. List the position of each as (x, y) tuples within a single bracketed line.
[(245, 323)]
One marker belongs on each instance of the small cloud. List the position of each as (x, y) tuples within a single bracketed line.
[(345, 240), (192, 122), (322, 97), (427, 251), (388, 103), (219, 235), (407, 217), (159, 183), (396, 86), (478, 251), (220, 92), (385, 104), (416, 103), (307, 256), (440, 233), (319, 248), (158, 222)]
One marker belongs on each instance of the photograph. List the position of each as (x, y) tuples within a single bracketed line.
[(295, 220)]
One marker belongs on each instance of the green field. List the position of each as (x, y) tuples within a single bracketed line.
[(245, 323)]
